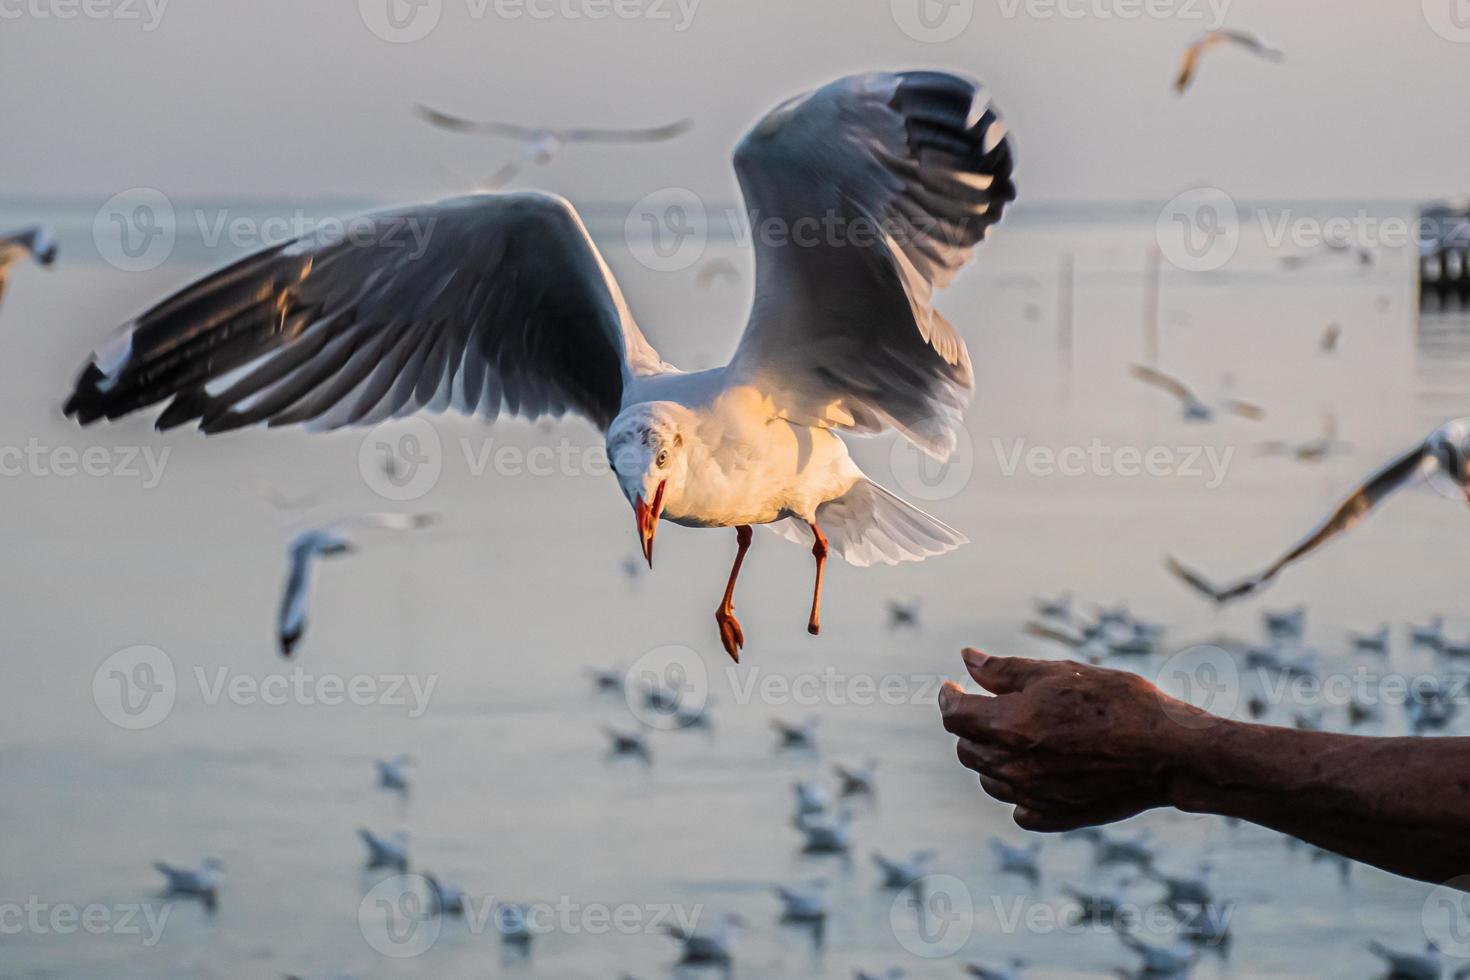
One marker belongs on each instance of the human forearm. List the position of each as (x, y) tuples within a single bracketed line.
[(1402, 804)]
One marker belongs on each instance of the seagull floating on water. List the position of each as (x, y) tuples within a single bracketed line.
[(855, 781), (708, 946), (496, 302), (826, 833), (1444, 453), (37, 242), (1430, 634), (1428, 965), (811, 797), (1011, 972), (446, 898), (797, 735), (629, 744), (1022, 861), (808, 903), (325, 542), (1209, 41), (1375, 642)]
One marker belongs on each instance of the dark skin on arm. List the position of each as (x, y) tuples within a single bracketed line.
[(1073, 746)]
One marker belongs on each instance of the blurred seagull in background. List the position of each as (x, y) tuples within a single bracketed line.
[(386, 852), (826, 833), (37, 242), (285, 503), (708, 946), (854, 781), (393, 773), (800, 735), (1375, 642), (202, 882), (1209, 41), (1058, 608), (1012, 971), (496, 302), (325, 542), (903, 615), (1330, 337), (902, 872), (1311, 451), (1022, 861), (811, 797), (1442, 454), (1428, 965), (1429, 635), (445, 898), (540, 144), (1194, 409), (629, 744), (807, 903)]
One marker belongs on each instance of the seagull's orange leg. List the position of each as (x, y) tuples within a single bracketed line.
[(819, 551), (732, 637)]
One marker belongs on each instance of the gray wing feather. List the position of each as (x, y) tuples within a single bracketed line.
[(897, 177), (483, 303)]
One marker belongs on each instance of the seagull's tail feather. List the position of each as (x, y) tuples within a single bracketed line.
[(868, 525)]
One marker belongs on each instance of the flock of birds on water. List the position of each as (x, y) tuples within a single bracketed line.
[(825, 815)]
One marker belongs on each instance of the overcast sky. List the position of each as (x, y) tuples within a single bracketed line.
[(286, 98)]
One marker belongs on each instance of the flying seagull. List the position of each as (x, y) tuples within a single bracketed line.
[(37, 242), (541, 143), (1313, 450), (504, 303), (1194, 409), (325, 542), (1210, 40), (202, 882), (386, 852), (1444, 452)]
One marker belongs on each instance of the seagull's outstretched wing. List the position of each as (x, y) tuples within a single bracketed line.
[(1168, 383), (1189, 65), (864, 197), (1347, 515), (482, 303), (584, 134), (37, 241)]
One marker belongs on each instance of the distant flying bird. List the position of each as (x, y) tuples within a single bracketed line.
[(445, 898), (541, 143), (1330, 337), (1311, 451), (1445, 452), (501, 301), (798, 735), (330, 541), (202, 882), (1022, 861), (1058, 608), (1194, 409), (1210, 40), (811, 797), (903, 614), (393, 773), (1110, 851), (902, 872), (1428, 965), (857, 781), (386, 852), (283, 502), (37, 242), (628, 744), (715, 270), (607, 681)]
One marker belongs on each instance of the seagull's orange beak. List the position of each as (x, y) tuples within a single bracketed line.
[(647, 517)]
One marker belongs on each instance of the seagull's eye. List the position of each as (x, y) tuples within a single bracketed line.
[(663, 459)]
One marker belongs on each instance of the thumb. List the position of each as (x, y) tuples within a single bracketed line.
[(1003, 675)]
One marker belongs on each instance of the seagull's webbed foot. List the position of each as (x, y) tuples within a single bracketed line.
[(732, 637)]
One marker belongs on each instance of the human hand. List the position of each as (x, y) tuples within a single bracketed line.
[(1068, 744)]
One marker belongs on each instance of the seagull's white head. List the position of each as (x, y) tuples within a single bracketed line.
[(647, 445)]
